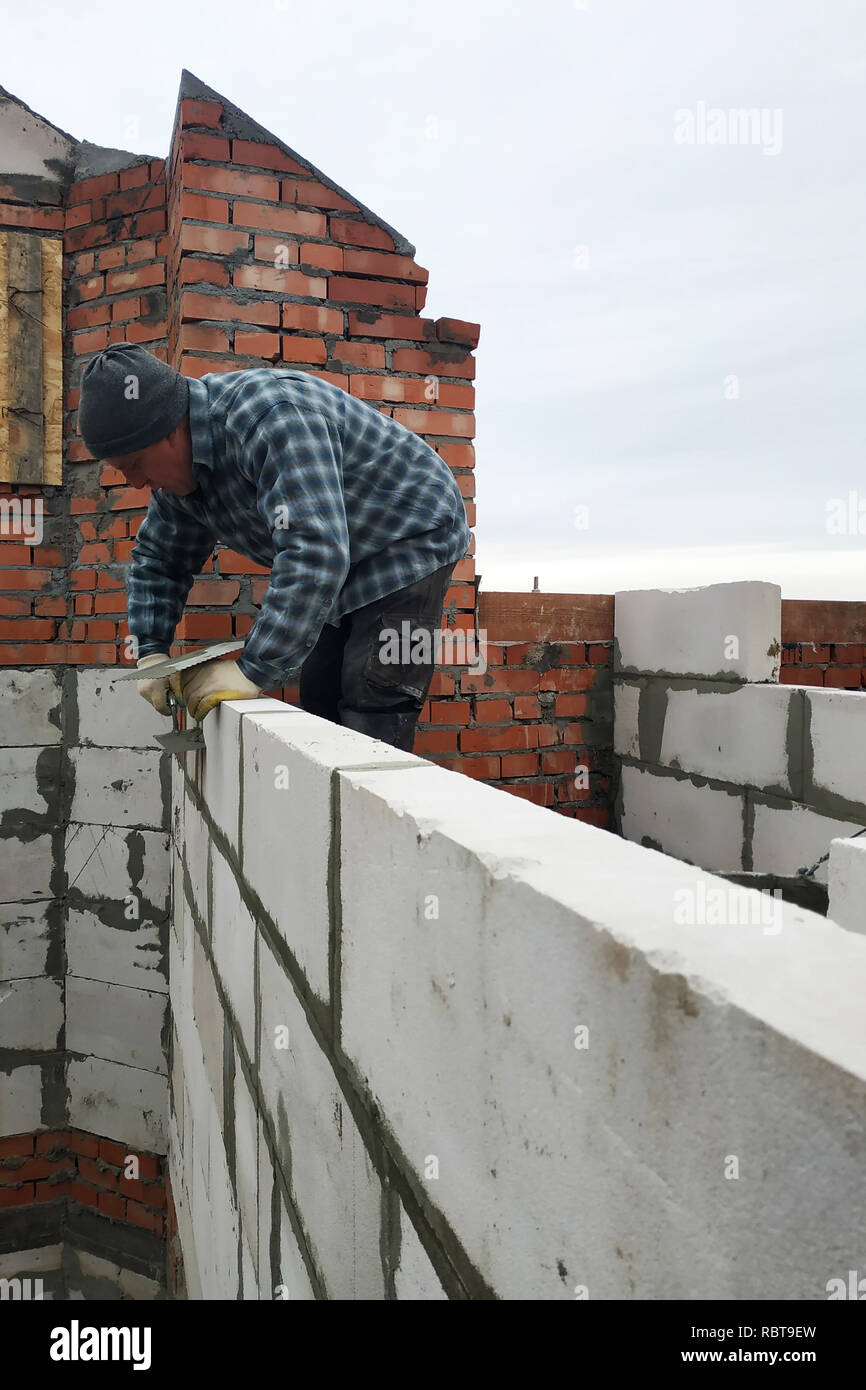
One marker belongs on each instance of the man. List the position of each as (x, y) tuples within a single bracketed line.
[(360, 522)]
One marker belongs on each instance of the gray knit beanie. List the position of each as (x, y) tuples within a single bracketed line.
[(129, 399)]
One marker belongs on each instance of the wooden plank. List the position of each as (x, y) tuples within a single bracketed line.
[(52, 359), (823, 620), (4, 363), (24, 309), (531, 617)]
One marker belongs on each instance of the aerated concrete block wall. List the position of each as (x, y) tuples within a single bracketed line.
[(84, 881), (432, 1042), (720, 764)]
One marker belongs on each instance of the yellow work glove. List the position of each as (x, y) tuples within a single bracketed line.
[(156, 691), (202, 687)]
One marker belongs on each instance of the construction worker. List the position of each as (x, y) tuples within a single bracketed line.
[(358, 519)]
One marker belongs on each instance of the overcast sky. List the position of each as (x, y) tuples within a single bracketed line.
[(672, 305)]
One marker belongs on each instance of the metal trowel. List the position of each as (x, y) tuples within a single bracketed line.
[(182, 740)]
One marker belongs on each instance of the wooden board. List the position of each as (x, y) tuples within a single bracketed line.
[(31, 359), (4, 362), (52, 359), (24, 310)]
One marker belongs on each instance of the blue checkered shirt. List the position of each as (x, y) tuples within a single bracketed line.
[(342, 503)]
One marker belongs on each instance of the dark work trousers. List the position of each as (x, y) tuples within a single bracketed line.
[(348, 678)]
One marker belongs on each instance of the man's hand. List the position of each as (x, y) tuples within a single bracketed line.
[(202, 687), (156, 691)]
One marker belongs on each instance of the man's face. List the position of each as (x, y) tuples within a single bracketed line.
[(167, 464)]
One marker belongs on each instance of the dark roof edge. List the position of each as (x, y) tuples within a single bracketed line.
[(245, 128), (84, 159)]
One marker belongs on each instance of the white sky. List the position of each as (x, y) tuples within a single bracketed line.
[(499, 137)]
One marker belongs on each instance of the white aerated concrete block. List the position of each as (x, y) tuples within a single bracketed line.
[(415, 1277), (281, 1269), (26, 869), (233, 936), (288, 764), (20, 790), (24, 940), (789, 837), (31, 1014), (118, 1102), (319, 1148), (117, 786), (30, 701), (737, 736), (560, 1035), (196, 846), (699, 824), (220, 767), (116, 1023), (112, 713), (838, 731), (120, 954), (720, 631), (847, 879), (246, 1167), (626, 706), (103, 861), (20, 1100)]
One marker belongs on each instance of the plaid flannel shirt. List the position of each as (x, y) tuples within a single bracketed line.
[(343, 504)]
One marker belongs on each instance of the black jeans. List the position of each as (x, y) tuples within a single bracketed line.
[(372, 673)]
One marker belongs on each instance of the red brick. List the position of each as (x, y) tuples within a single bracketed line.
[(276, 251), (144, 276), (214, 306), (485, 768), (435, 741), (200, 336), (310, 318), (125, 309), (540, 793), (112, 1205), (134, 177), (597, 654), (79, 1143), (358, 354), (568, 678), (203, 207), (193, 625), (429, 361), (493, 711), (196, 112), (526, 707), (842, 677), (442, 685), (122, 498), (114, 1153), (78, 1191), (450, 712), (230, 562), (436, 422), (13, 554), (214, 241), (366, 323), (20, 607), (27, 629), (34, 1169), (150, 1169), (390, 295), (88, 316), (519, 764), (213, 592), (48, 555), (384, 265), (77, 505), (489, 740), (138, 1215), (96, 187), (24, 579), (300, 349), (264, 157), (356, 233), (456, 331), (257, 344), (92, 341), (17, 1196), (493, 682), (310, 193), (17, 1146), (594, 815), (320, 255), (266, 218), (573, 706), (134, 200), (558, 762)]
